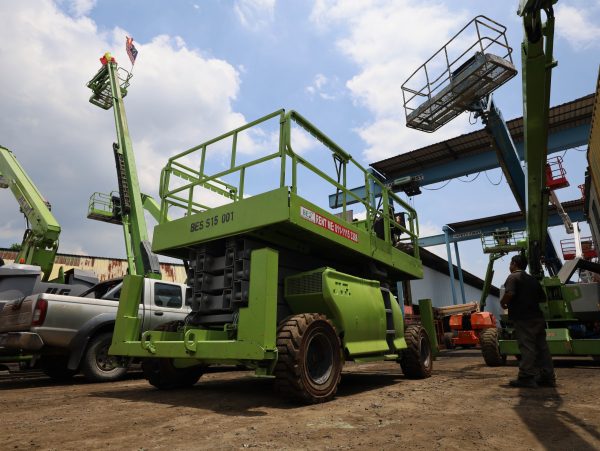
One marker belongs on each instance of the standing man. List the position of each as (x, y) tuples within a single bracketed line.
[(522, 296)]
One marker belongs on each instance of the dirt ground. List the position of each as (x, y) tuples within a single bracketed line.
[(464, 405)]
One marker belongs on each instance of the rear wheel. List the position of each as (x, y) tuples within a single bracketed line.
[(448, 343), (55, 367), (309, 363), (163, 374), (416, 360), (97, 365), (490, 348)]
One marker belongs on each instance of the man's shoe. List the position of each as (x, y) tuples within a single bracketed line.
[(523, 383), (546, 383)]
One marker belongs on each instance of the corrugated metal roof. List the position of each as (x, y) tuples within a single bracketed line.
[(105, 268), (571, 114)]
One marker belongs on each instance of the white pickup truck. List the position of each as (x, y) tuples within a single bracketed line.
[(71, 334)]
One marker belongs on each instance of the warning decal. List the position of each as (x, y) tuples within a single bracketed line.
[(328, 224)]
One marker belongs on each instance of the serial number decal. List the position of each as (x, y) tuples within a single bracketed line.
[(328, 224), (25, 207), (211, 222)]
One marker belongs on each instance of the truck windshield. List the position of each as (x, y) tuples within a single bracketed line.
[(100, 289)]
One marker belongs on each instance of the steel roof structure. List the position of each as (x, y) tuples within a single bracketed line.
[(474, 228), (569, 125)]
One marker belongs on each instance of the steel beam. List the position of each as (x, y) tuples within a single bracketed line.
[(474, 232), (558, 141)]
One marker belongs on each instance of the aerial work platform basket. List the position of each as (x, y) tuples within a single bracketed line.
[(556, 175), (105, 208), (503, 241), (208, 200), (569, 249), (100, 85), (475, 62)]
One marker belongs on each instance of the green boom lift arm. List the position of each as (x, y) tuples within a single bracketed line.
[(40, 241), (108, 92), (537, 61)]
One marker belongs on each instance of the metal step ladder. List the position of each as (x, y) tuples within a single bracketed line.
[(390, 329)]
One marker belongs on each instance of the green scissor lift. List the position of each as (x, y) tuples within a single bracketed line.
[(278, 284)]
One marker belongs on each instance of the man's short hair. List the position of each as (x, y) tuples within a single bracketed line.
[(520, 261)]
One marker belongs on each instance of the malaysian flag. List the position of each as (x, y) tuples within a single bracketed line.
[(131, 50)]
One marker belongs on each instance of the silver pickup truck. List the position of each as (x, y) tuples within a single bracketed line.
[(71, 334)]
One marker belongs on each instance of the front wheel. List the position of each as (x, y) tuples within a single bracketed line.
[(309, 363), (97, 365), (490, 349), (416, 360)]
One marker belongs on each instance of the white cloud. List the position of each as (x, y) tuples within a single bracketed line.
[(177, 98), (429, 228), (81, 7), (574, 26), (388, 40), (319, 86), (302, 141), (255, 14)]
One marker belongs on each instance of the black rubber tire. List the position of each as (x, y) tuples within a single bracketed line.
[(416, 360), (97, 365), (162, 374), (55, 367), (490, 349), (448, 343), (309, 363)]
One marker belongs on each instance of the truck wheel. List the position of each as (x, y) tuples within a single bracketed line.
[(490, 348), (162, 374), (97, 365), (56, 368), (309, 363), (416, 360)]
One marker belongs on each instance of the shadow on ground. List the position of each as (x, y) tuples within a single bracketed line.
[(37, 379), (244, 395), (556, 429)]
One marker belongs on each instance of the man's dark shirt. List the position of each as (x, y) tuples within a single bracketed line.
[(527, 294)]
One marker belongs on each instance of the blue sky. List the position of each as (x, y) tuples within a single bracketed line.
[(205, 67)]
